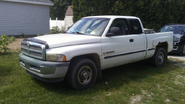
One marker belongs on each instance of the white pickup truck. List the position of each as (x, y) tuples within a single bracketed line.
[(92, 44)]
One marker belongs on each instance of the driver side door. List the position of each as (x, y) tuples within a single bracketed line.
[(118, 49)]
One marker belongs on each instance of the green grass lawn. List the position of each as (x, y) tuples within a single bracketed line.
[(133, 83)]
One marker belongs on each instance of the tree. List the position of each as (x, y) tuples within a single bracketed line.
[(153, 13), (59, 8)]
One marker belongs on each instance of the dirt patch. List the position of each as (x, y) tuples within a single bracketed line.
[(15, 45), (136, 99)]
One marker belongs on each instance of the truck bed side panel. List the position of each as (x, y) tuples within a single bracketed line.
[(155, 38)]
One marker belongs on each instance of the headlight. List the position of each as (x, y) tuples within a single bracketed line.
[(176, 39), (55, 57)]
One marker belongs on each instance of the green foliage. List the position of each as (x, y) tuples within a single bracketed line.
[(59, 8), (4, 41), (153, 13), (12, 38), (23, 35), (41, 34), (83, 8), (55, 30)]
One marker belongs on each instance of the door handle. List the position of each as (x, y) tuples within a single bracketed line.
[(131, 40)]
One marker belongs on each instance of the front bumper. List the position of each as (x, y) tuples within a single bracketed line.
[(44, 70), (176, 48)]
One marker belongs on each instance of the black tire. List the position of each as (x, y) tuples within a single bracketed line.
[(159, 57), (182, 51), (82, 74)]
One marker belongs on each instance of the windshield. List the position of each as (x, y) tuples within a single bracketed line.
[(175, 29), (89, 26)]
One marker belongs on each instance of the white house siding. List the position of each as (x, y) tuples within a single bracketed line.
[(23, 18)]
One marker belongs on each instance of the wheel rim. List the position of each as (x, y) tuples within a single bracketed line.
[(160, 58), (84, 75), (183, 49)]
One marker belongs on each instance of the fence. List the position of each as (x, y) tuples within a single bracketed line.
[(59, 23), (62, 24)]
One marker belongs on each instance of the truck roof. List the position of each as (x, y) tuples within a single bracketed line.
[(113, 16)]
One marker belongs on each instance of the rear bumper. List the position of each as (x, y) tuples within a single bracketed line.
[(44, 70)]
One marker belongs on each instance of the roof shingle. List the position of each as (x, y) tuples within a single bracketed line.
[(41, 2), (46, 1), (69, 11)]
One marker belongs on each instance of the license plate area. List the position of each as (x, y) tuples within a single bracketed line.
[(35, 68)]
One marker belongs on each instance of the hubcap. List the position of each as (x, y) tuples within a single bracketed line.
[(160, 58), (84, 75)]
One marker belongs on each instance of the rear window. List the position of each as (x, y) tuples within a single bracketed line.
[(135, 26)]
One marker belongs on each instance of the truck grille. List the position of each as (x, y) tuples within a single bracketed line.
[(24, 50), (33, 49)]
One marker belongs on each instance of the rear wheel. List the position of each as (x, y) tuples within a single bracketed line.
[(182, 51), (82, 74), (159, 57)]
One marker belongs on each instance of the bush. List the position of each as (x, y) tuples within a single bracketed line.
[(23, 35), (4, 41), (55, 30), (12, 38)]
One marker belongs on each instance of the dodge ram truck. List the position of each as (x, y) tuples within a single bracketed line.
[(91, 45)]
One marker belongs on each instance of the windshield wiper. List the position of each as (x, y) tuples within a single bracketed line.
[(77, 32), (80, 33)]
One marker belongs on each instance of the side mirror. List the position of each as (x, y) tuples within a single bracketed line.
[(113, 31)]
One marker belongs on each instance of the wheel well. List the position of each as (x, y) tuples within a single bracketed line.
[(95, 58), (163, 45)]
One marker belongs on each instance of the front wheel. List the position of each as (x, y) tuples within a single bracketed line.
[(182, 51), (82, 74), (159, 57)]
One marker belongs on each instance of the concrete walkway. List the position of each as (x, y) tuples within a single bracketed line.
[(182, 58)]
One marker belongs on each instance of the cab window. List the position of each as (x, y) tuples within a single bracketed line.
[(135, 26), (122, 25)]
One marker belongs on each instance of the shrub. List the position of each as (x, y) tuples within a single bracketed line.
[(38, 35), (4, 41), (55, 30), (12, 38), (23, 35)]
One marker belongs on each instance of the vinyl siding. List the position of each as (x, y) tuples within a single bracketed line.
[(22, 18)]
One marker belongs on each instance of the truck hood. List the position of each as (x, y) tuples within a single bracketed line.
[(178, 35), (61, 40)]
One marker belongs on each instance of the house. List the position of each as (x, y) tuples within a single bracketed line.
[(63, 24), (68, 20), (29, 17)]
